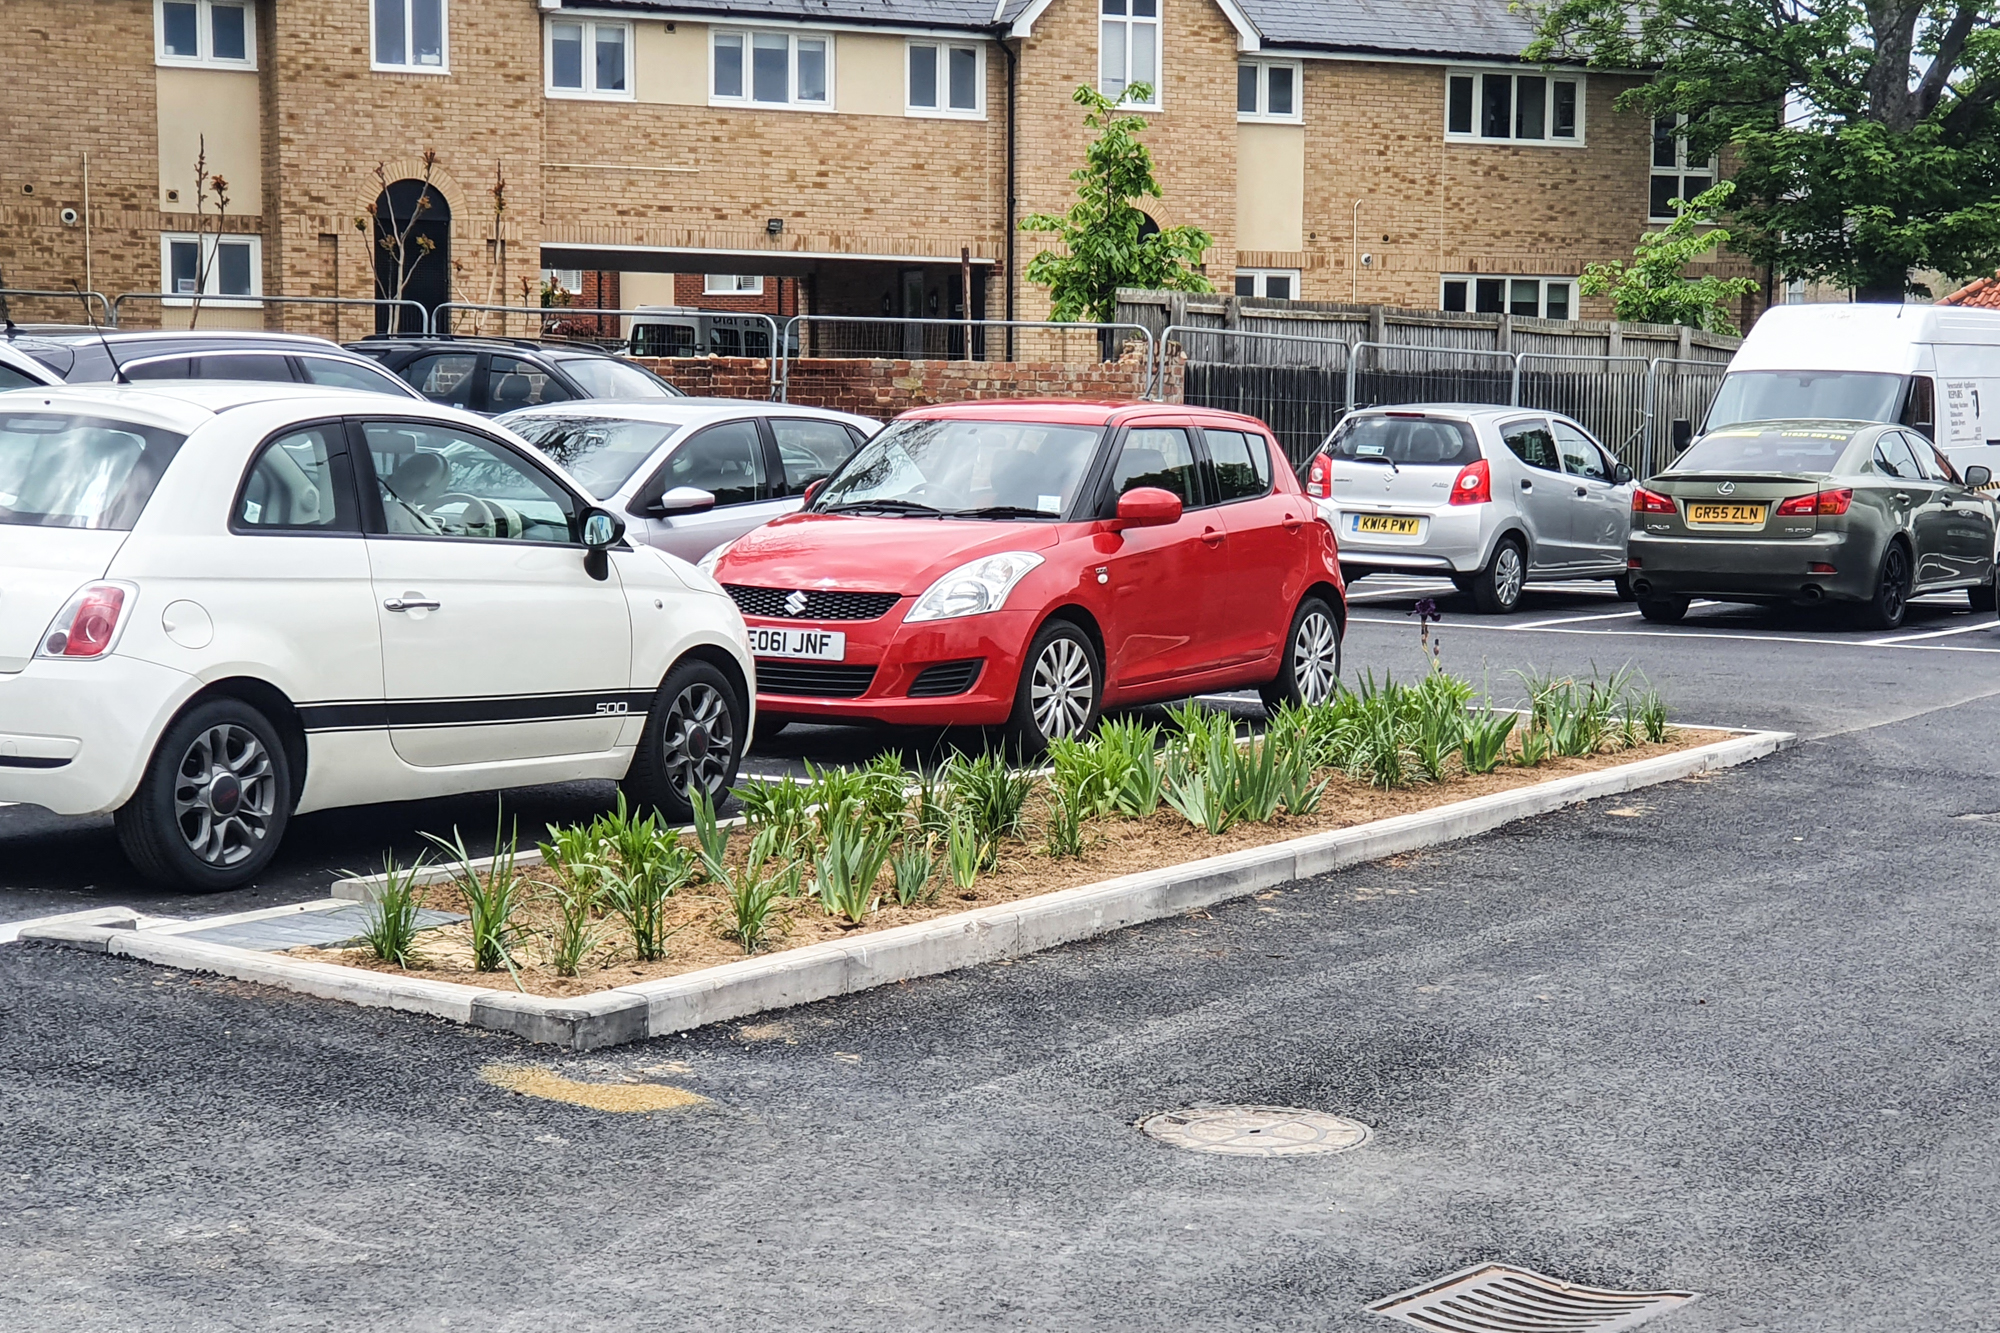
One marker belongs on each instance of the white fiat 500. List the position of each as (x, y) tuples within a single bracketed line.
[(225, 604)]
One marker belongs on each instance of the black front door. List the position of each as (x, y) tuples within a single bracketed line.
[(412, 238)]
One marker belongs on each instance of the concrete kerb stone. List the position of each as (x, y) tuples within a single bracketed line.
[(926, 948)]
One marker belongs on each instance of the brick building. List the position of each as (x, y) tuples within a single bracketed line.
[(836, 156)]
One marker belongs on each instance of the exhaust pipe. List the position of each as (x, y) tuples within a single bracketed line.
[(1640, 587), (1812, 592)]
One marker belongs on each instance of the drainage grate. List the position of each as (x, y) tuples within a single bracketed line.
[(1493, 1298), (1256, 1131)]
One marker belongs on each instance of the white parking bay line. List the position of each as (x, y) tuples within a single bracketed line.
[(1689, 633), (1571, 620), (1933, 634)]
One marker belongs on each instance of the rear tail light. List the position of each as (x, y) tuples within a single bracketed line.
[(1473, 485), (88, 625), (1818, 567), (1650, 502), (1319, 477), (1820, 502)]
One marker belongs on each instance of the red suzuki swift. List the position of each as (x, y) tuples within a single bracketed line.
[(1026, 564)]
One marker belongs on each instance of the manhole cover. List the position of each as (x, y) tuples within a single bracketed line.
[(1494, 1297), (1256, 1131)]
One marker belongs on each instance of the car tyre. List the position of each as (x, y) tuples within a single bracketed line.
[(767, 730), (1664, 610), (213, 803), (694, 736), (1986, 597), (1061, 690), (1310, 672), (1496, 589), (1891, 601)]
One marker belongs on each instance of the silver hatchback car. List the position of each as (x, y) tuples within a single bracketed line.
[(1492, 497)]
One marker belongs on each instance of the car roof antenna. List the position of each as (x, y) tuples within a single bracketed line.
[(117, 371), (6, 312)]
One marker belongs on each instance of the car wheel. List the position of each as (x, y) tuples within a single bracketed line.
[(1891, 602), (214, 801), (1310, 673), (1061, 689), (1986, 597), (694, 737), (1664, 610), (1497, 588), (1623, 586)]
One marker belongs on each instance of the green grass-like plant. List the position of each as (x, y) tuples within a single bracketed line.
[(779, 815), (753, 897), (711, 838), (491, 899), (577, 930), (845, 871), (1484, 745), (390, 927), (992, 795), (914, 867), (965, 851), (1062, 825)]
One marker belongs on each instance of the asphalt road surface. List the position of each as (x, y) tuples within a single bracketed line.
[(1734, 1036)]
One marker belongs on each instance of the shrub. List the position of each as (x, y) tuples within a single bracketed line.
[(846, 869), (752, 897), (390, 928), (490, 900), (914, 867), (577, 929), (638, 893), (1485, 743), (992, 795)]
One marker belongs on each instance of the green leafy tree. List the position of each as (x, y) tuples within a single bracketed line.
[(1863, 135), (1655, 287), (1105, 246)]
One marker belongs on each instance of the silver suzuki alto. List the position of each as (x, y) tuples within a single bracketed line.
[(1491, 497)]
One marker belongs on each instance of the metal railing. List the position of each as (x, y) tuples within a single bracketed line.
[(1616, 404), (1453, 381), (1682, 393), (336, 303), (939, 339), (441, 324), (110, 315), (1278, 378)]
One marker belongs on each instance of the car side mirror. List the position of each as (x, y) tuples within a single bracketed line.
[(1977, 476), (1620, 474), (1682, 433), (601, 532), (813, 488), (1146, 507), (682, 500)]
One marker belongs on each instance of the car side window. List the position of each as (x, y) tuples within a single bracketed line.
[(1531, 442), (1158, 456), (809, 450), (1893, 459), (442, 377), (11, 378), (269, 366), (1580, 455), (726, 460), (512, 382), (1935, 462), (1242, 464), (164, 368), (298, 483), (335, 374), (435, 481)]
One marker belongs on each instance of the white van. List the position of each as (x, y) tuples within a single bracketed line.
[(1935, 369)]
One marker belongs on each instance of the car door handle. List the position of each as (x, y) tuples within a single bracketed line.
[(1583, 492), (1901, 497), (1527, 485), (1212, 536), (1293, 524), (410, 604)]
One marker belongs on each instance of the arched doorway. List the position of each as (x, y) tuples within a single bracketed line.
[(412, 240)]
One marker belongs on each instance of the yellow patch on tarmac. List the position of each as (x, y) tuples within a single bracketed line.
[(531, 1082)]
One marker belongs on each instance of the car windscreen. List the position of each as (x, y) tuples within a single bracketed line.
[(1405, 439), (61, 470), (974, 469), (602, 453), (601, 377), (1806, 395), (1765, 449)]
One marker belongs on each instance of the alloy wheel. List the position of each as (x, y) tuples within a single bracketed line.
[(1316, 658), (698, 739), (1507, 573), (1060, 688), (1895, 578), (225, 793)]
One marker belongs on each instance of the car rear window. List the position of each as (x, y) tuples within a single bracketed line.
[(1405, 439), (60, 470), (1766, 449)]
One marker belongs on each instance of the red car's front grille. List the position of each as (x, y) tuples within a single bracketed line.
[(811, 603), (813, 680)]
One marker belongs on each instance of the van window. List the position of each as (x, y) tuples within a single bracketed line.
[(1806, 395), (1919, 410), (1404, 438)]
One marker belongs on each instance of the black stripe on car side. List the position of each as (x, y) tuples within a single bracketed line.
[(375, 714), (29, 761)]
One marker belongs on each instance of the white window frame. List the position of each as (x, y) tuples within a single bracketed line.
[(1158, 21), (944, 110), (1550, 78), (209, 243), (1544, 281), (1262, 114), (589, 92), (556, 277), (1680, 170), (1262, 277), (444, 41), (204, 25), (792, 37), (712, 284)]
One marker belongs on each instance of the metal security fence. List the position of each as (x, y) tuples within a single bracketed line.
[(1682, 391), (893, 337), (67, 307), (1608, 394), (222, 311)]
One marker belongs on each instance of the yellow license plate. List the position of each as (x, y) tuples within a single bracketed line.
[(1391, 523), (1712, 513)]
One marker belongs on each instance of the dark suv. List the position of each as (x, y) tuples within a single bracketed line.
[(492, 375), (85, 356)]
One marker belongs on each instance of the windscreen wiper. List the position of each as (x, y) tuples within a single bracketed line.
[(1376, 458), (890, 506), (999, 511)]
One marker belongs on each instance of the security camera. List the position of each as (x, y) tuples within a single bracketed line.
[(70, 217), (1367, 260)]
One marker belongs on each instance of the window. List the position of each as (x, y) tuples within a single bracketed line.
[(1279, 284), (410, 35), (348, 375), (1523, 108), (1892, 457), (512, 382), (810, 450), (204, 32), (591, 58), (946, 81), (1267, 90), (568, 280), (1674, 176), (443, 377), (1580, 454), (63, 471), (1242, 463), (603, 377), (771, 69), (731, 284), (1548, 298), (268, 367), (727, 461), (1128, 48), (299, 481), (212, 267), (1530, 442), (438, 482), (1161, 458)]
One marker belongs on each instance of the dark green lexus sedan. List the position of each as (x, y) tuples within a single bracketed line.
[(1801, 512)]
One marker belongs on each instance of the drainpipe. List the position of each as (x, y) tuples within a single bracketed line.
[(1354, 255), (1013, 84)]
